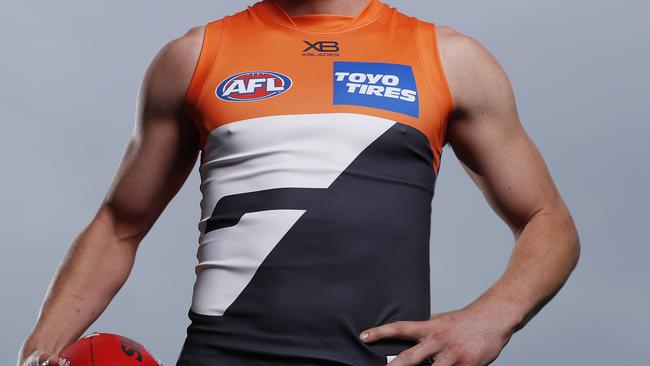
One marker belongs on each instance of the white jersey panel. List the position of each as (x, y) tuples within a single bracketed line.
[(230, 256), (288, 151)]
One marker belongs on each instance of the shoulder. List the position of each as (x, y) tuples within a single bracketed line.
[(182, 51), (452, 42), (170, 72), (470, 68), (463, 51), (191, 39), (166, 80)]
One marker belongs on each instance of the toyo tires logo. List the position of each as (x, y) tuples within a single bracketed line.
[(253, 85), (390, 87)]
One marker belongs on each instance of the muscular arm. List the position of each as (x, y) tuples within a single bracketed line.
[(159, 156), (485, 132), (489, 140)]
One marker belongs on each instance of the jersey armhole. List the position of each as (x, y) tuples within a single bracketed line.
[(438, 60), (210, 47), (443, 75), (436, 78)]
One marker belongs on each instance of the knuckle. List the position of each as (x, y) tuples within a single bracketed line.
[(432, 345), (434, 337), (403, 326), (444, 358), (462, 354), (467, 358), (408, 356), (386, 330)]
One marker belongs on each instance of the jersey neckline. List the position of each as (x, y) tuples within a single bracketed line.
[(323, 23)]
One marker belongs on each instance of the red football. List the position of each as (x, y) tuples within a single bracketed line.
[(105, 349)]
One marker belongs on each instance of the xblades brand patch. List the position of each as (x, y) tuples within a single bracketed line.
[(321, 48)]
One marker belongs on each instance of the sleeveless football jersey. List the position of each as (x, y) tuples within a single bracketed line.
[(320, 141)]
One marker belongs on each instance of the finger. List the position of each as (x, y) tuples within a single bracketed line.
[(403, 329), (415, 355), (40, 358), (58, 361), (33, 359), (445, 359)]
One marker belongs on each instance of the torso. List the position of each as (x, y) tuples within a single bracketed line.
[(321, 139)]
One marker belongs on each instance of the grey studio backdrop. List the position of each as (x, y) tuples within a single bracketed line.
[(69, 77)]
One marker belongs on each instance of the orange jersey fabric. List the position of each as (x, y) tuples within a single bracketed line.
[(378, 33)]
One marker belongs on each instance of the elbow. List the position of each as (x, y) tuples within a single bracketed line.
[(555, 223), (121, 229), (574, 241), (568, 232)]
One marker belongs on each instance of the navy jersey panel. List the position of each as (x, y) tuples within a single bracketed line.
[(358, 257)]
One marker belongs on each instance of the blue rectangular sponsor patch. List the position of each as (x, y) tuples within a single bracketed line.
[(378, 85)]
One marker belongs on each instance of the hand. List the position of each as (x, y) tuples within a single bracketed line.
[(459, 338), (39, 358)]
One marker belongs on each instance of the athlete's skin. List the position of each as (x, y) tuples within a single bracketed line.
[(484, 131)]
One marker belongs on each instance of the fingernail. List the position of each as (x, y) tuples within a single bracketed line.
[(64, 362), (364, 335)]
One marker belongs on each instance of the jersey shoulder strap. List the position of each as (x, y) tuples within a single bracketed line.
[(432, 64), (210, 49)]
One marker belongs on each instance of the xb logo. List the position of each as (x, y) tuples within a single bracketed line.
[(321, 48)]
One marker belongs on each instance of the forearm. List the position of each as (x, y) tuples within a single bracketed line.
[(545, 253), (94, 269)]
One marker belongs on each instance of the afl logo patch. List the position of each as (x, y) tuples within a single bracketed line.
[(253, 85)]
